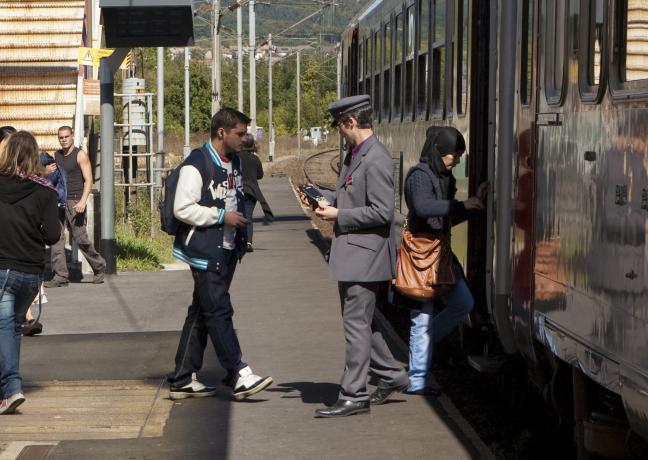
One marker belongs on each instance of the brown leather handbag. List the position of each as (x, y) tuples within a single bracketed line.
[(426, 266)]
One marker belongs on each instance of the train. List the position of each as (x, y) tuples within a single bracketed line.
[(552, 98)]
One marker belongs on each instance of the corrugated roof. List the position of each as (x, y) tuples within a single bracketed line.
[(39, 43)]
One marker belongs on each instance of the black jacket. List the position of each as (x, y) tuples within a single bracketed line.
[(29, 221), (252, 171)]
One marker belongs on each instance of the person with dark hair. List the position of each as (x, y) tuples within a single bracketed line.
[(29, 222), (210, 203), (5, 132), (430, 190), (252, 171), (362, 257), (76, 168)]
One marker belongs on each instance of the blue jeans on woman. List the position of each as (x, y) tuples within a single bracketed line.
[(17, 291), (425, 330)]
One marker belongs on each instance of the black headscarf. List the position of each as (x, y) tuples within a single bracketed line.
[(439, 141)]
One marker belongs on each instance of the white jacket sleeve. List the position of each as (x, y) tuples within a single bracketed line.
[(188, 193)]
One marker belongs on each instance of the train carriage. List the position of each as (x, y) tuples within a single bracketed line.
[(551, 96)]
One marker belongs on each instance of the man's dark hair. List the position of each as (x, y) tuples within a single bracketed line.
[(6, 131), (227, 119), (363, 115), (65, 128)]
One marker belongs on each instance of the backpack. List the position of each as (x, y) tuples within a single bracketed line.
[(168, 221)]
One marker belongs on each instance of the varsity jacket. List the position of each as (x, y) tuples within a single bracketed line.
[(199, 242)]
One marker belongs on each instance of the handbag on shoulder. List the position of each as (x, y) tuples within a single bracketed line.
[(426, 266)]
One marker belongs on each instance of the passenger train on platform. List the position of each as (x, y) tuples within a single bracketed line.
[(552, 98)]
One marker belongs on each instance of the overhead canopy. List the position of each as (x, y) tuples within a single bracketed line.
[(137, 23)]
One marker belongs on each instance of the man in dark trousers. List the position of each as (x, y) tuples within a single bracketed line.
[(209, 202), (252, 174), (78, 173), (362, 258)]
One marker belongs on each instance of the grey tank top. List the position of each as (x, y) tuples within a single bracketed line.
[(72, 171)]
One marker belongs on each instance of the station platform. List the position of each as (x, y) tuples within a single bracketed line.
[(95, 386)]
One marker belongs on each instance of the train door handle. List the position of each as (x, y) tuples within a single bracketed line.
[(631, 275), (590, 155)]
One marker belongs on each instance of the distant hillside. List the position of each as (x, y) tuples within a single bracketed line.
[(280, 15)]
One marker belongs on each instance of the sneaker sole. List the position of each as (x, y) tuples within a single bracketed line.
[(260, 387), (14, 405), (177, 395)]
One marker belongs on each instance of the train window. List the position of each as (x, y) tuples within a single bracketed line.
[(360, 67), (377, 67), (398, 67), (526, 53), (593, 24), (462, 56), (422, 65), (555, 50), (387, 59), (368, 65), (409, 64), (438, 55)]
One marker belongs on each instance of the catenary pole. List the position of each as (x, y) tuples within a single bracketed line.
[(271, 143), (187, 148), (339, 71), (239, 55), (298, 103), (253, 115), (216, 57), (159, 159)]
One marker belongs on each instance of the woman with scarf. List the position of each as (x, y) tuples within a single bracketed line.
[(430, 189), (28, 205)]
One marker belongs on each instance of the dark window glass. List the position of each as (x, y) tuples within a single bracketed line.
[(377, 53), (360, 62), (368, 56), (526, 67), (424, 25), (411, 31), (398, 69), (387, 56), (462, 56), (555, 54), (422, 65), (438, 56), (399, 38)]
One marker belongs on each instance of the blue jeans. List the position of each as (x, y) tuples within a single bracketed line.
[(17, 290), (426, 330), (209, 315)]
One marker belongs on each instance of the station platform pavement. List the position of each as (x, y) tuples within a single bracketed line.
[(95, 379)]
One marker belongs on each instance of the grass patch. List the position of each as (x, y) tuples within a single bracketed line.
[(141, 245)]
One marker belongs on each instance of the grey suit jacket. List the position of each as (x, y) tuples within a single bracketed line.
[(362, 249)]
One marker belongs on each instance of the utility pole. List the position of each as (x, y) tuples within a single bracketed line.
[(253, 115), (187, 148), (338, 50), (159, 159), (298, 103), (216, 57), (239, 43), (271, 144)]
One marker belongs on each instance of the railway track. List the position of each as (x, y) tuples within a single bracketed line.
[(322, 168)]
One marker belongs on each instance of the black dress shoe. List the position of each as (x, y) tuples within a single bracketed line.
[(381, 394), (342, 408)]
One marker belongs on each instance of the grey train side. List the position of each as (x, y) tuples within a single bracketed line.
[(551, 96)]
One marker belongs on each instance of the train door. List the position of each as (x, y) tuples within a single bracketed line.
[(354, 62), (522, 236)]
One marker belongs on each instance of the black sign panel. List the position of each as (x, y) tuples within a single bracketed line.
[(131, 26)]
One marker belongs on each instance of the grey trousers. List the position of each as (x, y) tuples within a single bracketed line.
[(366, 350), (76, 223)]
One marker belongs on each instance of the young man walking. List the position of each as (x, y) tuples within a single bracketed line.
[(78, 173), (362, 258), (209, 201)]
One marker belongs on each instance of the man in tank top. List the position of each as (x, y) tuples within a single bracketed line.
[(76, 164)]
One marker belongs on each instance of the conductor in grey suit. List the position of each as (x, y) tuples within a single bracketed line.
[(362, 258)]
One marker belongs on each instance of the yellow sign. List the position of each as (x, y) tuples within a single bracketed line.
[(91, 56)]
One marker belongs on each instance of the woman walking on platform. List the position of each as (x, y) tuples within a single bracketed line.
[(430, 189), (28, 204)]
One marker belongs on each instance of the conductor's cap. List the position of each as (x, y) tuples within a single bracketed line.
[(346, 105)]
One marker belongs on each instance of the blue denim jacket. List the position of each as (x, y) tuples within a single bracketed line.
[(57, 178)]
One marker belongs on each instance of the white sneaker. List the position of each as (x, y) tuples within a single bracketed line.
[(9, 405), (248, 384), (193, 389)]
